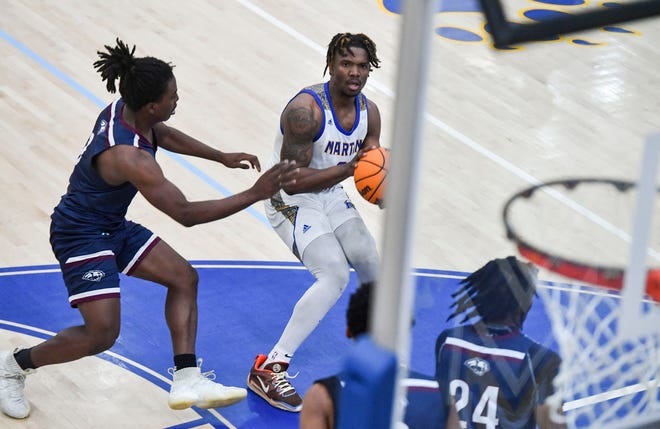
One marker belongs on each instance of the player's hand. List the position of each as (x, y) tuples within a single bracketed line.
[(240, 160), (353, 162), (361, 153), (275, 178)]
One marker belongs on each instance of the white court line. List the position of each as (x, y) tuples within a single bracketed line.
[(250, 266), (13, 273), (439, 275)]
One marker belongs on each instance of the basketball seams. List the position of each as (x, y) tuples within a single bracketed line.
[(370, 174), (375, 173), (379, 166), (375, 191)]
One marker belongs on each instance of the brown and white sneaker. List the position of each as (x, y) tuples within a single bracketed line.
[(272, 384)]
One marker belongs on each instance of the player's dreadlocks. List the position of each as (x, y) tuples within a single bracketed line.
[(357, 314), (345, 41), (501, 288), (141, 80)]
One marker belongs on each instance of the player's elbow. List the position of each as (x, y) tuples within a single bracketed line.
[(185, 217), (187, 222)]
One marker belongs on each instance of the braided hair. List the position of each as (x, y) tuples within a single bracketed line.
[(500, 290), (342, 42), (357, 314), (141, 80)]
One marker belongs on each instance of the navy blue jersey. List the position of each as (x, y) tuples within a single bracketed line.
[(497, 379), (425, 406), (90, 204)]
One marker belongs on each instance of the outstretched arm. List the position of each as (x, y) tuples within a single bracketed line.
[(124, 163), (179, 142)]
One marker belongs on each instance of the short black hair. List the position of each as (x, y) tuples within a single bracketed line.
[(359, 309), (345, 41), (498, 290), (141, 80)]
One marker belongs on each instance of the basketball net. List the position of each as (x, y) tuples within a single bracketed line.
[(609, 340), (605, 380)]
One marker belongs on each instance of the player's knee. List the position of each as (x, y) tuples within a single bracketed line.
[(343, 281), (104, 343), (338, 266), (338, 275), (100, 341), (367, 261), (191, 277), (187, 278)]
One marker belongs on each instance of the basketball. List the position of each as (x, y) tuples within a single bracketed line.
[(370, 174)]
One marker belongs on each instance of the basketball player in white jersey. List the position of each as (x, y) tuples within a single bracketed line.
[(325, 128)]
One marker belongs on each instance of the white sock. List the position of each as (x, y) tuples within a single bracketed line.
[(277, 355)]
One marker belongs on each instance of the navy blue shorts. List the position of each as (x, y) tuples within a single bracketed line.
[(91, 262)]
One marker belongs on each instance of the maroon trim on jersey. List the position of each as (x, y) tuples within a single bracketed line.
[(76, 302), (140, 258), (143, 140)]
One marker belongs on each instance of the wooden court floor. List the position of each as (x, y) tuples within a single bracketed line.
[(495, 122)]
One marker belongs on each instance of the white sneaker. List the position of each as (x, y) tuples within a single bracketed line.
[(12, 383), (191, 386)]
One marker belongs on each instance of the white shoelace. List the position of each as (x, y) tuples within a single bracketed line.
[(282, 383), (209, 375), (14, 392)]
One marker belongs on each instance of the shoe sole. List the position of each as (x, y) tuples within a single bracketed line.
[(17, 416), (181, 405), (218, 403), (222, 402), (279, 405)]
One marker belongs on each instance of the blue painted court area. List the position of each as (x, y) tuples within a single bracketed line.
[(243, 307)]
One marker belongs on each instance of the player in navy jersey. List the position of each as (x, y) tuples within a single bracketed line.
[(325, 128), (94, 242), (498, 377), (425, 406)]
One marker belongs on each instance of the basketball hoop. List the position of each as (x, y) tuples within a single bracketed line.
[(609, 375), (602, 275)]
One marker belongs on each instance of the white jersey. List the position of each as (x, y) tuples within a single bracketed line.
[(332, 146)]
